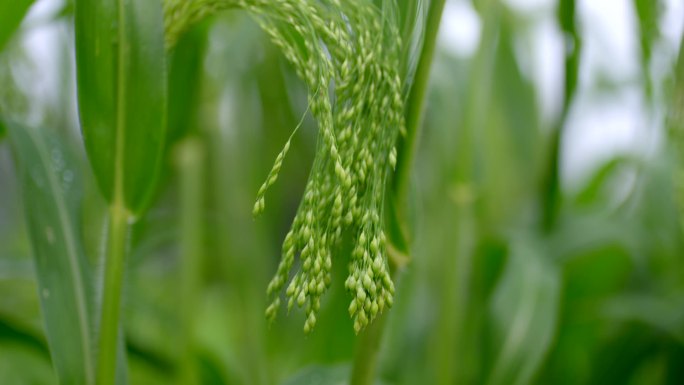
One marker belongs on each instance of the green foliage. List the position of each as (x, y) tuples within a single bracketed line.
[(121, 69), (121, 76), (11, 14), (50, 190), (185, 75), (504, 269)]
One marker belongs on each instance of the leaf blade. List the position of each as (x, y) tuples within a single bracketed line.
[(11, 15), (121, 73), (61, 266)]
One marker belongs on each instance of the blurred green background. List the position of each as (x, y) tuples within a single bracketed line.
[(546, 212)]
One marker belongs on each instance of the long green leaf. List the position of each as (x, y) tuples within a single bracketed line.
[(49, 190), (648, 15), (121, 75), (184, 82), (11, 15)]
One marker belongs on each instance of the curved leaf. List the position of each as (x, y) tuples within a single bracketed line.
[(11, 15), (65, 289), (121, 75)]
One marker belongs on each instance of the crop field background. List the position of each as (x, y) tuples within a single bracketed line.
[(519, 170)]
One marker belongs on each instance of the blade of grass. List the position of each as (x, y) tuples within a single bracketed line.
[(185, 68), (415, 105), (550, 191), (62, 271), (648, 15), (11, 15), (121, 75)]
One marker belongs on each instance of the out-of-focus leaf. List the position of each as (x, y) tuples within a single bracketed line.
[(50, 193), (590, 278), (581, 233), (509, 140), (676, 129), (25, 334), (185, 75), (594, 189), (20, 364), (648, 15), (11, 15), (566, 19), (629, 354), (121, 75), (524, 311), (3, 130), (661, 314), (320, 375), (550, 194)]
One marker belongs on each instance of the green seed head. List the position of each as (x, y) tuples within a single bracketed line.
[(349, 57)]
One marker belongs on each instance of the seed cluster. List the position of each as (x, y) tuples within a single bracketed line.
[(347, 52)]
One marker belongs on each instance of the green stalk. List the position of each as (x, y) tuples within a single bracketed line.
[(111, 301), (415, 105), (190, 163), (550, 192), (453, 364), (118, 226), (456, 361), (366, 354)]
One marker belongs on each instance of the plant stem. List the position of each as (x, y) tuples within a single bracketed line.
[(190, 161), (551, 192), (452, 366), (456, 359), (111, 302), (366, 355), (416, 102)]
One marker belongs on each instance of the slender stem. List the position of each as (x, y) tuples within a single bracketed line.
[(366, 355), (416, 103), (190, 162), (551, 192), (111, 302), (456, 360), (118, 226), (452, 363)]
